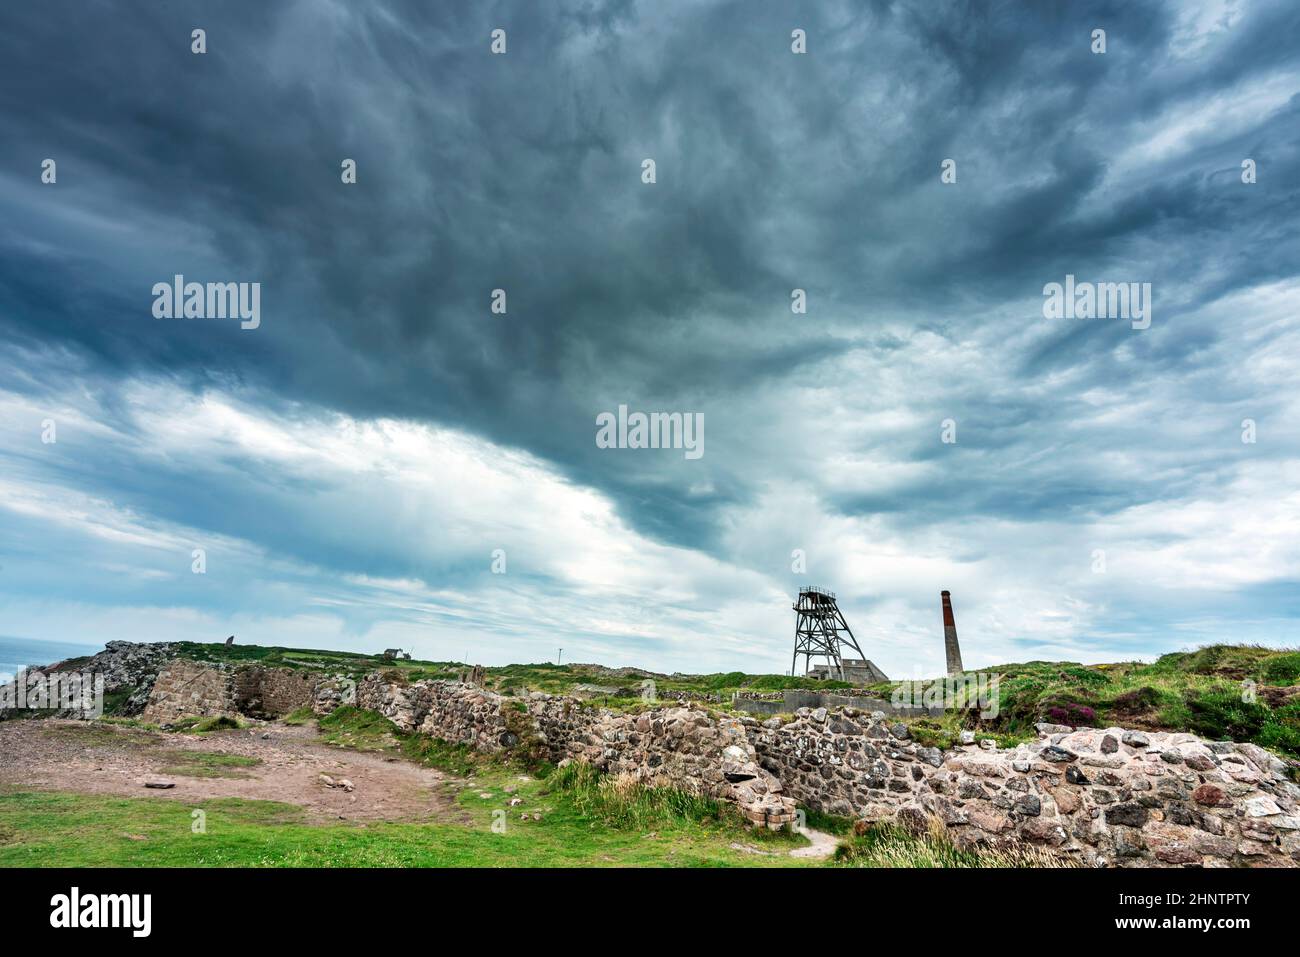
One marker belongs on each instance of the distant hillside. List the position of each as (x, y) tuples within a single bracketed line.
[(526, 677)]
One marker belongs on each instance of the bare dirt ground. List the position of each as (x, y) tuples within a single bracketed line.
[(821, 845), (91, 758)]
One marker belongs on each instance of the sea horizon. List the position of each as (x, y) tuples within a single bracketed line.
[(16, 653)]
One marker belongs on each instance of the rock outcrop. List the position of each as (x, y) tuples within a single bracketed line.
[(127, 665)]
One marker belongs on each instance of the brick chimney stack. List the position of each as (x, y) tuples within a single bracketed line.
[(950, 646)]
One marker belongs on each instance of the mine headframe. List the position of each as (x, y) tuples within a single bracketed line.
[(820, 631)]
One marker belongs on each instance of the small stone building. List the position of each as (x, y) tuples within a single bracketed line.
[(857, 671)]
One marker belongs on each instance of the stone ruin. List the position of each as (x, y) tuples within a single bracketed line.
[(680, 747), (197, 689), (1098, 796)]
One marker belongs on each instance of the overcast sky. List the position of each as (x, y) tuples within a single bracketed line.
[(350, 466)]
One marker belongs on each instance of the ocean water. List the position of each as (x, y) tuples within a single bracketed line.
[(16, 653)]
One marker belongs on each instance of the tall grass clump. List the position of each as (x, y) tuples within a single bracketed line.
[(624, 802), (888, 845)]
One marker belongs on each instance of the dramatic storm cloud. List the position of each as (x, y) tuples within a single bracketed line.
[(387, 460)]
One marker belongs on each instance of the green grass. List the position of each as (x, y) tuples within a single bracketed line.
[(829, 823), (1282, 669), (46, 829), (1223, 714), (115, 701), (615, 802), (218, 722), (300, 716), (350, 727), (135, 723), (85, 734), (622, 803), (209, 764), (351, 664)]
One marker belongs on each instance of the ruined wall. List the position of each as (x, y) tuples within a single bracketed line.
[(455, 712), (403, 704), (186, 688), (126, 664), (332, 692), (679, 747), (1104, 796), (200, 689), (272, 692)]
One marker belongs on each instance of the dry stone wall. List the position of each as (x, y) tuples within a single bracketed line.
[(452, 711), (1103, 796), (333, 692), (680, 747)]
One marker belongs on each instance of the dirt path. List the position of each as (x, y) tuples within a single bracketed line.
[(823, 845), (91, 758)]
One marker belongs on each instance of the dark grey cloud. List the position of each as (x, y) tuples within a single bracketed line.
[(775, 171)]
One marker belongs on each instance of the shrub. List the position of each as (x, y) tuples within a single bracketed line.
[(1223, 714), (1071, 713), (1280, 737), (1136, 701), (931, 734)]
